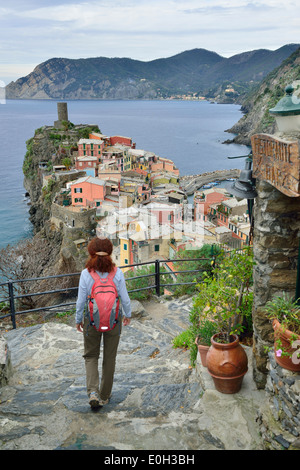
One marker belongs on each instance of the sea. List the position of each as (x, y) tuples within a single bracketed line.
[(191, 133)]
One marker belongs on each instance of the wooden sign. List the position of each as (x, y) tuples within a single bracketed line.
[(277, 162)]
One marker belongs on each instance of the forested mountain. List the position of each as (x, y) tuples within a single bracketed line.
[(198, 71)]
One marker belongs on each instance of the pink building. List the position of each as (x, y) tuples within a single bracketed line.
[(144, 192), (204, 199), (88, 163), (88, 192), (90, 147)]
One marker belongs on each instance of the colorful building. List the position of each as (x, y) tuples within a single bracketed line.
[(89, 164), (117, 157), (88, 192), (229, 208), (164, 164), (91, 148), (166, 213), (204, 199), (118, 139)]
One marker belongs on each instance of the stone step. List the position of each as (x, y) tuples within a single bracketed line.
[(158, 400)]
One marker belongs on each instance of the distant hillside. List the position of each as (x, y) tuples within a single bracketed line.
[(257, 103), (197, 71)]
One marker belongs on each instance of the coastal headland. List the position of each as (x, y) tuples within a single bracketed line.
[(83, 183)]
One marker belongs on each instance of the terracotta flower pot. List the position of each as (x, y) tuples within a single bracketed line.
[(227, 363), (203, 350), (286, 337)]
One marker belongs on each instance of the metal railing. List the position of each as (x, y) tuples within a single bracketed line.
[(13, 296)]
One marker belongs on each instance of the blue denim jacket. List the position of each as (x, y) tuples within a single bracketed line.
[(85, 286)]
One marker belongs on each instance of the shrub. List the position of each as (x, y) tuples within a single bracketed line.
[(203, 263), (148, 280)]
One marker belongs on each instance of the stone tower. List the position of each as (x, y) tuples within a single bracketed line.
[(62, 113)]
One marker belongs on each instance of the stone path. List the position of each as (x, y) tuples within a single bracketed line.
[(158, 401)]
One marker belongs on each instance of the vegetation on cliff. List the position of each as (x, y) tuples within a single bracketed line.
[(49, 252), (265, 96)]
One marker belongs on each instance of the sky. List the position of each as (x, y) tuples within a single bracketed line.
[(33, 31)]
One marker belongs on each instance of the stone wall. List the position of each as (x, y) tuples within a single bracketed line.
[(73, 218), (276, 243), (280, 423), (275, 247)]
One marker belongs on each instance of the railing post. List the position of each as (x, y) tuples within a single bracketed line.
[(12, 303), (157, 277)]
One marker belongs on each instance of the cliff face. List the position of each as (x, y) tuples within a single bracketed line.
[(199, 72), (257, 103), (49, 146)]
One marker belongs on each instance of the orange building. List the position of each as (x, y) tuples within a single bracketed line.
[(88, 192)]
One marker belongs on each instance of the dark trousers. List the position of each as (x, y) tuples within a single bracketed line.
[(92, 342)]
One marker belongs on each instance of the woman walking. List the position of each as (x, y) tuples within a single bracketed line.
[(100, 262)]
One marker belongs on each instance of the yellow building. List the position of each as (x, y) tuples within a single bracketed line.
[(124, 251)]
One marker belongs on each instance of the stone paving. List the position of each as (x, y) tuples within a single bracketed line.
[(158, 403)]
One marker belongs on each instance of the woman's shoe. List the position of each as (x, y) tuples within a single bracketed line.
[(104, 402), (94, 400)]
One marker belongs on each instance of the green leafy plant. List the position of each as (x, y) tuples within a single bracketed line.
[(205, 330), (67, 162), (202, 261), (4, 307), (287, 311), (201, 334), (225, 298), (142, 287), (65, 315), (28, 159), (186, 340), (183, 340)]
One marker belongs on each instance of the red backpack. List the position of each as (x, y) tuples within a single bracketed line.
[(104, 302)]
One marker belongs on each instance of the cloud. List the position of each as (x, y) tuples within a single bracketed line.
[(140, 29)]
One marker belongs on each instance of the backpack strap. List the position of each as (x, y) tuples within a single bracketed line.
[(112, 274), (94, 275)]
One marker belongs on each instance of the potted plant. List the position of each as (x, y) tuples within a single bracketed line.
[(285, 315), (206, 329), (225, 299)]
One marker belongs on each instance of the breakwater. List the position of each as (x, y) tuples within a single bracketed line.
[(191, 183)]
